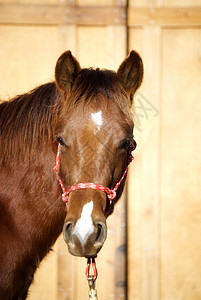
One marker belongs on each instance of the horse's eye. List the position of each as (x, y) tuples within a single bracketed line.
[(59, 139), (129, 143), (125, 144)]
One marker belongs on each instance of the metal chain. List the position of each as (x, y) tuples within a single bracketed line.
[(92, 290)]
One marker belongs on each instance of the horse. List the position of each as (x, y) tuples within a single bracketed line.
[(83, 123)]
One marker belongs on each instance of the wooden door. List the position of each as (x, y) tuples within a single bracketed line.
[(164, 184)]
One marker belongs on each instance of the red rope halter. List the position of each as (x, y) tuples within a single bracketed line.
[(111, 194)]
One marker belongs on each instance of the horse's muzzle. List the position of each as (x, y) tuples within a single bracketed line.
[(85, 239)]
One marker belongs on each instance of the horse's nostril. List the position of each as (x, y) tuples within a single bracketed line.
[(101, 233), (68, 226), (67, 231)]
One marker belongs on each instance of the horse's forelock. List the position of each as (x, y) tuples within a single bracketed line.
[(91, 83)]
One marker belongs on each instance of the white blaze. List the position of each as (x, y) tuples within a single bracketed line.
[(84, 226), (97, 118)]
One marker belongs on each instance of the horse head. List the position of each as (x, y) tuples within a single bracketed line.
[(94, 132)]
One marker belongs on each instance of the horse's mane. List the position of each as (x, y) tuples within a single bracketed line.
[(25, 120), (31, 118)]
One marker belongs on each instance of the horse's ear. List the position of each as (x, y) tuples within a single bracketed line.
[(66, 71), (130, 73)]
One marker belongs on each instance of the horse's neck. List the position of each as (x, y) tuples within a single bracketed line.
[(31, 195)]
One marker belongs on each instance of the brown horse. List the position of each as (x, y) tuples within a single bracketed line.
[(88, 114)]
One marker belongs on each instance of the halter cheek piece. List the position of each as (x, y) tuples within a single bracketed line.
[(111, 194)]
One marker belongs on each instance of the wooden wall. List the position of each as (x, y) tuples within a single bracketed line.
[(164, 206), (163, 195)]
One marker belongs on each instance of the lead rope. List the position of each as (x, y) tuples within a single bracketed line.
[(111, 194), (92, 278)]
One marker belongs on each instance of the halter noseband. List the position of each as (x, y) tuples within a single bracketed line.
[(111, 194)]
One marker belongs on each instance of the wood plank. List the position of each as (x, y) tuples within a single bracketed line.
[(183, 3), (181, 165), (144, 177), (61, 14), (44, 286), (25, 57), (65, 272), (116, 46), (98, 15), (169, 16)]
